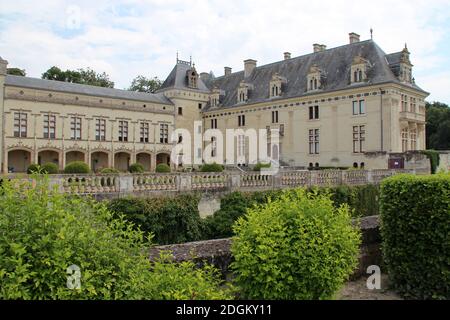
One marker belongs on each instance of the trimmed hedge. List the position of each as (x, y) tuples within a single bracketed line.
[(170, 220), (136, 168), (77, 167), (50, 168), (259, 166), (109, 171), (415, 228), (34, 168), (162, 168), (433, 156), (211, 167)]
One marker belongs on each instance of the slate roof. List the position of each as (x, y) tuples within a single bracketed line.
[(334, 62), (177, 79), (52, 85)]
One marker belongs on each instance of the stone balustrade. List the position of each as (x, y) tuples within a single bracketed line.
[(157, 183)]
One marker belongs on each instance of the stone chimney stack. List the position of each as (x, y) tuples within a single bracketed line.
[(204, 76), (316, 47), (287, 55), (3, 67), (354, 37), (227, 71), (249, 65)]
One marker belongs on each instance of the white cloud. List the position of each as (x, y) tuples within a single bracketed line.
[(131, 37)]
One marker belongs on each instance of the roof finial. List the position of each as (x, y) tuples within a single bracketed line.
[(371, 33), (190, 60), (177, 56)]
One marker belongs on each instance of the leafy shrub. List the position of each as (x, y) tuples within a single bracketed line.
[(211, 167), (50, 168), (34, 168), (162, 168), (136, 168), (259, 166), (296, 247), (44, 232), (77, 167), (415, 228), (170, 220), (109, 171), (433, 156)]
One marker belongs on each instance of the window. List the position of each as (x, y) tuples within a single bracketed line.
[(359, 107), (274, 116), (49, 126), (100, 129), (180, 138), (164, 133), (20, 124), (358, 75), (313, 141), (75, 128), (180, 111), (123, 131), (200, 106), (213, 147), (404, 103), (213, 123), (359, 138), (241, 145), (413, 139), (313, 112), (242, 96), (412, 104), (241, 120), (145, 132), (404, 136)]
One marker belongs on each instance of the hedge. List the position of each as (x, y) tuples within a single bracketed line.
[(34, 168), (211, 167), (136, 168), (162, 168), (433, 156), (415, 228), (260, 166), (50, 168), (109, 171), (77, 167)]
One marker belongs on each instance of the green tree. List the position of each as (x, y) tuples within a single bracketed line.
[(144, 84), (16, 72), (82, 76), (438, 126)]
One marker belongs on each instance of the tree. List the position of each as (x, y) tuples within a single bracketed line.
[(144, 84), (82, 76), (16, 72), (438, 126)]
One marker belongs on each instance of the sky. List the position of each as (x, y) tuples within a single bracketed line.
[(141, 37)]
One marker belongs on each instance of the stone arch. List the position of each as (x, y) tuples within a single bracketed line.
[(144, 158), (99, 160), (75, 155), (122, 160), (48, 155), (19, 159), (163, 157)]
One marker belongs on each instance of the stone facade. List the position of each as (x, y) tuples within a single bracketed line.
[(334, 107)]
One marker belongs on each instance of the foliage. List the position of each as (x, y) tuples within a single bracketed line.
[(433, 156), (136, 168), (34, 168), (16, 72), (170, 220), (162, 168), (77, 167), (415, 228), (44, 232), (144, 84), (82, 76), (296, 247), (259, 166), (50, 168), (211, 167), (438, 126), (109, 171)]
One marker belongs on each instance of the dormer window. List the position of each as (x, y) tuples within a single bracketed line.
[(405, 66), (358, 71), (314, 78), (192, 78), (276, 85), (214, 98), (243, 92)]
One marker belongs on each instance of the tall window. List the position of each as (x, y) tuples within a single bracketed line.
[(313, 141), (313, 112), (49, 126), (20, 124), (213, 123), (164, 133), (274, 116), (241, 120), (404, 102), (404, 135), (412, 104), (413, 139), (75, 128), (180, 111), (144, 132), (241, 145), (359, 107), (123, 131), (357, 75), (359, 138), (100, 129)]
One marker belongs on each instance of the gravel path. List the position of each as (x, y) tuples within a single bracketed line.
[(357, 290)]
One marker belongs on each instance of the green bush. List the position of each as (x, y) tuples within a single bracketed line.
[(44, 232), (296, 247), (77, 167), (170, 220), (433, 156), (415, 228), (50, 168), (136, 168), (109, 171), (211, 167), (34, 168), (162, 168), (259, 166)]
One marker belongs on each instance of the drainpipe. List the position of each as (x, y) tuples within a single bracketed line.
[(381, 119)]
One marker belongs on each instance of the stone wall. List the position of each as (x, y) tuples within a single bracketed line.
[(217, 252)]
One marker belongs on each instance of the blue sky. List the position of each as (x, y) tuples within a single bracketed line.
[(132, 37)]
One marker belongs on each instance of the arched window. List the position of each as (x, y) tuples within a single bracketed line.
[(355, 76), (355, 165), (311, 85), (315, 84), (360, 75), (361, 165)]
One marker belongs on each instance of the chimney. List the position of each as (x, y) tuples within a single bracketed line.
[(227, 71), (323, 47), (3, 67), (204, 76), (354, 37), (287, 55), (316, 47), (249, 65)]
